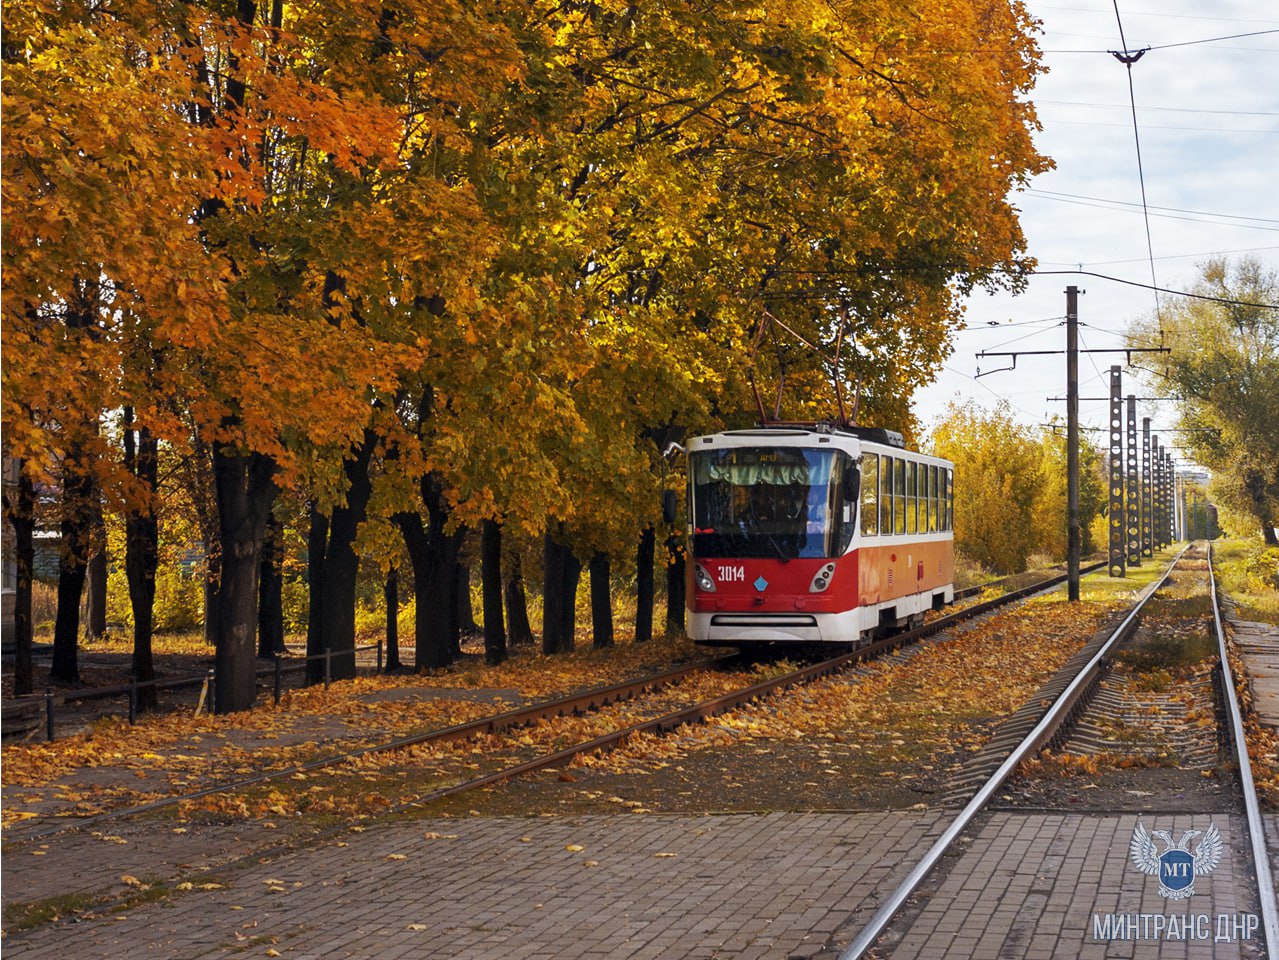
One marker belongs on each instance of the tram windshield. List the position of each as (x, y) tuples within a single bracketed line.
[(782, 502)]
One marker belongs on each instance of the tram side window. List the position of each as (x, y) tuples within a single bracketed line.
[(885, 495), (886, 499), (910, 496), (938, 478), (899, 496), (950, 502), (928, 503), (870, 495), (921, 487), (923, 498)]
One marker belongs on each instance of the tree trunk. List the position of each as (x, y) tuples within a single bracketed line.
[(342, 565), (572, 577), (465, 611), (391, 593), (316, 540), (96, 605), (77, 493), (491, 584), (1255, 486), (559, 617), (21, 511), (601, 601), (521, 633), (212, 577), (674, 588), (271, 591), (644, 586), (246, 490), (142, 555), (434, 578)]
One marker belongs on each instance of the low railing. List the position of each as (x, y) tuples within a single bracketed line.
[(28, 707)]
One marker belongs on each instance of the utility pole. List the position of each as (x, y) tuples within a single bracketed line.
[(1073, 537), (1116, 519), (1074, 542)]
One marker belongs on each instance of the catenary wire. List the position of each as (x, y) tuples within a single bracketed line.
[(1128, 60), (1162, 216), (1057, 194), (1170, 256)]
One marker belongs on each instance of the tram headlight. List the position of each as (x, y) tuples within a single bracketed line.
[(704, 581), (821, 580)]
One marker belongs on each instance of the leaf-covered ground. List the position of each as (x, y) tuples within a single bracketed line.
[(113, 764), (893, 730), (889, 734), (1150, 740)]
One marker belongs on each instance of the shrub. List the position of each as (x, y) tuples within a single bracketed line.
[(179, 600), (295, 600)]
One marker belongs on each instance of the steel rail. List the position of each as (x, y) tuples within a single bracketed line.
[(737, 698), (587, 700), (1252, 808), (1043, 731)]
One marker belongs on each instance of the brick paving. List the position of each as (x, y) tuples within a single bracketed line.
[(776, 885), (1028, 885), (1023, 885)]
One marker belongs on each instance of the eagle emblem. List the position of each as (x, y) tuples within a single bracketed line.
[(1176, 867)]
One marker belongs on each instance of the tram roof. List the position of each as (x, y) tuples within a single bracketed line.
[(879, 435)]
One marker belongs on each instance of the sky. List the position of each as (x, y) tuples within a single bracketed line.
[(1208, 122)]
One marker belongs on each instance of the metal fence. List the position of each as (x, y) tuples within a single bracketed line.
[(21, 711)]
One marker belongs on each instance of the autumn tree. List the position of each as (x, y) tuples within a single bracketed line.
[(1224, 370), (998, 481), (442, 265), (1050, 512)]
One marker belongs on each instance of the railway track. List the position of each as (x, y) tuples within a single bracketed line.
[(1046, 721), (576, 704)]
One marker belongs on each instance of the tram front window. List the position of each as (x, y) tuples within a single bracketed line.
[(781, 502)]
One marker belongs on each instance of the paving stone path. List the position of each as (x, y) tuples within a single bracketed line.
[(657, 887)]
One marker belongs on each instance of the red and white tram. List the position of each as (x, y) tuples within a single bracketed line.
[(814, 535)]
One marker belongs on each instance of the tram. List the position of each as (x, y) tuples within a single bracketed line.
[(814, 535)]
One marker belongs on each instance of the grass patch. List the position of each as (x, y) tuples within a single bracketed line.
[(1249, 574), (24, 916)]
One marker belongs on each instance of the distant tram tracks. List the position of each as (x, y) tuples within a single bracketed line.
[(1024, 736), (575, 704)]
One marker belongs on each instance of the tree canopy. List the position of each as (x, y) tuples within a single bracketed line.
[(478, 253), (1224, 373), (1010, 486)]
